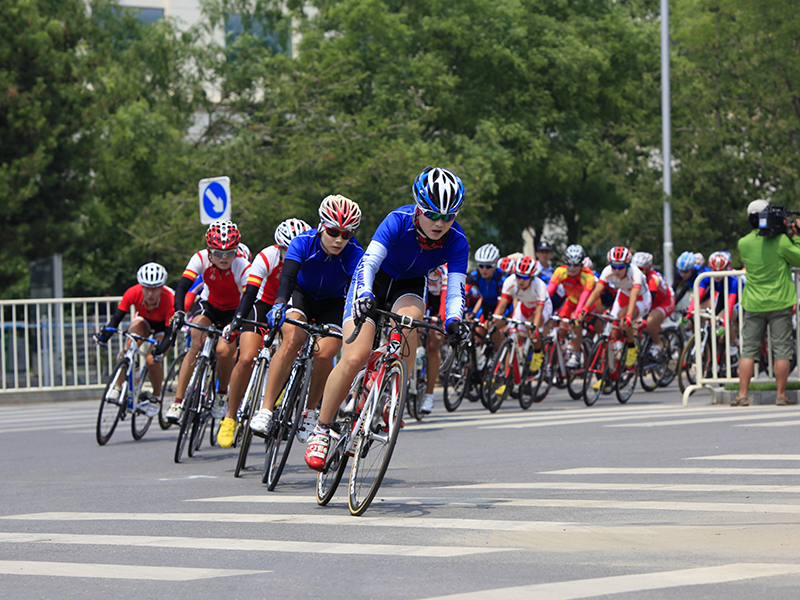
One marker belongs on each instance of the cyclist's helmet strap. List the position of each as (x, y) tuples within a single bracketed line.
[(424, 241)]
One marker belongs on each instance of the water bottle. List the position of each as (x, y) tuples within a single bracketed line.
[(618, 347), (420, 361)]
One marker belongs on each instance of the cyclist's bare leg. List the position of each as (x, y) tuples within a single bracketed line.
[(281, 364), (577, 337), (432, 350), (654, 320), (187, 366), (249, 345), (327, 348), (155, 370), (226, 354), (354, 357)]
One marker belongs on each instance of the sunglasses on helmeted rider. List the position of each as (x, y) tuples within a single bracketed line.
[(224, 254), (334, 233), (435, 216), (485, 266)]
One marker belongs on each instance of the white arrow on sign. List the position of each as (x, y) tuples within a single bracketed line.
[(218, 203)]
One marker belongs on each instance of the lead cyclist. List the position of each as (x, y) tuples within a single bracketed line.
[(411, 241)]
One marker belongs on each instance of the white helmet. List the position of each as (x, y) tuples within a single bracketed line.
[(288, 230), (643, 260), (487, 254), (151, 275)]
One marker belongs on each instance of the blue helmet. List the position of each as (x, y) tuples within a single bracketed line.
[(438, 190), (686, 261)]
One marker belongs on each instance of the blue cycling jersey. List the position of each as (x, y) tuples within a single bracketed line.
[(488, 289), (323, 275), (395, 249)]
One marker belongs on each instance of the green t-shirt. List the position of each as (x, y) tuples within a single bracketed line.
[(769, 276)]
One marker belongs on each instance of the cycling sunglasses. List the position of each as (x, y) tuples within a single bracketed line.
[(435, 216), (223, 254), (619, 267), (523, 277), (334, 233), (485, 266)]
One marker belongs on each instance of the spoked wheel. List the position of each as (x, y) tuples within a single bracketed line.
[(111, 410), (140, 422), (457, 380), (328, 479), (596, 373), (575, 378), (252, 401), (168, 391), (687, 369), (626, 380), (203, 419), (283, 428), (651, 369), (191, 403), (499, 378), (543, 378), (377, 438), (672, 346)]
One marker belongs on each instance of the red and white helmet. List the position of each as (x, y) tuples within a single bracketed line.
[(619, 256), (526, 266), (223, 235), (288, 230), (719, 261), (506, 265), (340, 212), (244, 252)]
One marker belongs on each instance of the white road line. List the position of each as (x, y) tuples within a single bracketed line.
[(643, 487), (776, 424), (107, 571), (740, 417), (670, 471), (622, 584), (747, 457), (43, 427), (735, 507), (246, 545)]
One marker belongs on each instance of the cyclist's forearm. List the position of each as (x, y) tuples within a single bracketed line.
[(116, 318), (180, 292), (247, 301), (288, 281)]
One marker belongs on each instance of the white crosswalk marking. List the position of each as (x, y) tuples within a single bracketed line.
[(671, 471), (739, 457), (108, 571)]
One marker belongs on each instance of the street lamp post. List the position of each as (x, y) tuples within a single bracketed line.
[(666, 128)]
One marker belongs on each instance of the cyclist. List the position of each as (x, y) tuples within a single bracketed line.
[(578, 282), (224, 273), (437, 281), (256, 302), (718, 261), (408, 243), (318, 266), (487, 285), (663, 299), (153, 302), (633, 296), (688, 270), (532, 303)]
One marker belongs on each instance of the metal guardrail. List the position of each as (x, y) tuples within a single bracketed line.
[(46, 344), (717, 376)]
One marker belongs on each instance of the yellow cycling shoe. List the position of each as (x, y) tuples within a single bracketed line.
[(227, 431), (499, 391), (631, 357), (536, 361), (597, 384)]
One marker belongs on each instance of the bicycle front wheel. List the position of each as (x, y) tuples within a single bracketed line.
[(651, 369), (252, 402), (111, 409), (673, 346), (575, 377), (377, 438), (140, 422), (687, 367), (456, 380), (499, 380), (283, 429), (191, 403), (168, 391), (331, 475), (626, 380), (595, 376), (543, 378)]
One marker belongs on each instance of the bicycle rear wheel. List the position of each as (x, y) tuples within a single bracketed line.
[(168, 391), (687, 367), (331, 475), (575, 378), (596, 373), (140, 422), (456, 380), (283, 428), (673, 346), (626, 380), (651, 369), (191, 401), (377, 438), (252, 402), (500, 379), (111, 410), (543, 381), (203, 418)]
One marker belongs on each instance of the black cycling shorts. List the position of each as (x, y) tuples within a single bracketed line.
[(327, 311), (218, 318), (257, 313)]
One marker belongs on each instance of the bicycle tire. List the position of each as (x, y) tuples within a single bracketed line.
[(203, 417), (673, 346), (111, 410), (286, 420), (331, 475), (544, 376), (596, 370), (373, 451), (189, 410), (500, 377), (140, 422), (650, 370), (251, 404), (456, 380), (687, 369), (575, 377), (626, 380), (168, 391)]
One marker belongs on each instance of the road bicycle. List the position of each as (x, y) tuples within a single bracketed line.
[(464, 378), (605, 369), (368, 425), (131, 399), (556, 353), (418, 383), (287, 416), (659, 371), (689, 368), (510, 374), (253, 395), (200, 396)]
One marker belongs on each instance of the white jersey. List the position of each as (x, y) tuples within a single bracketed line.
[(536, 294), (633, 277)]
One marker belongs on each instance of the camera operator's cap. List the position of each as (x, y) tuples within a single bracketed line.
[(544, 247), (756, 206)]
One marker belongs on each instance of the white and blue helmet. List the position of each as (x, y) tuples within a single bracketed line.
[(438, 190), (686, 261)]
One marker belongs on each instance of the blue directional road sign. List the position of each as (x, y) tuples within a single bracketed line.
[(215, 199)]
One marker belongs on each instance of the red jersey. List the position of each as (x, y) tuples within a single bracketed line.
[(160, 314)]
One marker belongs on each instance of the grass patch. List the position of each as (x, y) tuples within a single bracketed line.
[(764, 386)]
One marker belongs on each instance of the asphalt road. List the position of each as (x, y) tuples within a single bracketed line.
[(644, 500)]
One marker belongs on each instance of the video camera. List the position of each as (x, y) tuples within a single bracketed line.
[(775, 220)]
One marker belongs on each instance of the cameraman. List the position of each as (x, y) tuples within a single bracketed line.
[(768, 297)]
